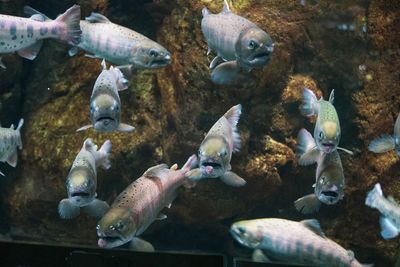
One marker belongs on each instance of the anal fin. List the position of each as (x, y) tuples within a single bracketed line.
[(32, 51), (259, 256)]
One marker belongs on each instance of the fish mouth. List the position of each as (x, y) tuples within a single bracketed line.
[(330, 194), (160, 63), (106, 241), (211, 164), (80, 194), (103, 118)]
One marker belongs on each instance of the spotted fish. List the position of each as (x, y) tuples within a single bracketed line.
[(390, 210), (292, 243), (327, 130), (237, 41), (82, 182), (10, 140), (105, 104), (25, 35), (329, 178), (119, 45), (140, 204), (216, 150), (387, 142)]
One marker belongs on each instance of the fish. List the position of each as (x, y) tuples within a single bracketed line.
[(327, 130), (387, 142), (119, 45), (81, 182), (240, 43), (25, 35), (216, 150), (10, 140), (329, 177), (140, 204), (291, 242), (105, 104), (389, 209)]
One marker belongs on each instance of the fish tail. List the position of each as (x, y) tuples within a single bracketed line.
[(233, 116), (373, 195), (104, 153), (70, 21), (310, 103)]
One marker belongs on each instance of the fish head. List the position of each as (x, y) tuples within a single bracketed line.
[(329, 187), (214, 156), (116, 227), (327, 136), (247, 233), (254, 48), (81, 185), (105, 113), (150, 55)]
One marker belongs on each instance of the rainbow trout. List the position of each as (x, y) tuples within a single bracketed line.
[(329, 178), (140, 204), (327, 128), (10, 140), (387, 142), (237, 41), (105, 104), (292, 243), (119, 45), (390, 210), (25, 35)]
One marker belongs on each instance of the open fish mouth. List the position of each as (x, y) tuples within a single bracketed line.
[(211, 164), (105, 118), (80, 194), (330, 194), (160, 62), (108, 240)]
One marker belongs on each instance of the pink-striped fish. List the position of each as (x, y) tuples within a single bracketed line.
[(25, 35), (292, 242), (140, 204)]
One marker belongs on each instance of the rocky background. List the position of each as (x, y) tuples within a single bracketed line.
[(173, 108)]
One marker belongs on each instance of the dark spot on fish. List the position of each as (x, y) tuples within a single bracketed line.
[(43, 30), (13, 29), (2, 24), (2, 43), (14, 37), (29, 31), (22, 36), (54, 30)]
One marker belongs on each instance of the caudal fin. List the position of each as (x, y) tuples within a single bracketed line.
[(104, 153), (70, 23), (306, 148), (373, 195), (233, 116), (309, 106)]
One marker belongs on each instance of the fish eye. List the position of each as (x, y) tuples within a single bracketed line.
[(241, 230), (153, 53), (252, 44), (120, 226), (321, 135)]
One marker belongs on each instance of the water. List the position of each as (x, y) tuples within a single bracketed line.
[(349, 46)]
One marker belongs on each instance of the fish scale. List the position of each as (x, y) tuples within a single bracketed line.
[(327, 112)]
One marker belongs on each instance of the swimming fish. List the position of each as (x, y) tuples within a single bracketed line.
[(291, 242), (386, 142), (329, 178), (119, 45), (140, 204), (25, 35), (105, 104), (327, 128), (216, 150), (82, 182), (10, 140), (390, 210), (237, 41)]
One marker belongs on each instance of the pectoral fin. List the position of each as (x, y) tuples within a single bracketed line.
[(67, 209), (232, 179), (97, 208), (389, 231), (84, 128), (122, 127), (141, 245), (92, 56), (259, 256), (308, 204), (345, 150), (2, 64), (309, 157), (13, 159), (382, 144), (194, 174), (32, 51), (226, 73)]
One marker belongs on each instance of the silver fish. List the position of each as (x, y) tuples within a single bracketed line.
[(105, 104), (292, 242), (140, 204), (237, 41), (389, 209), (119, 45), (386, 142), (10, 140), (216, 150), (82, 182), (327, 130), (329, 178), (25, 35)]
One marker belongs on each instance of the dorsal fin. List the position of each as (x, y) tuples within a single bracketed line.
[(226, 8), (233, 116), (314, 226), (97, 18), (155, 171), (332, 96)]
